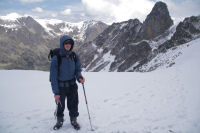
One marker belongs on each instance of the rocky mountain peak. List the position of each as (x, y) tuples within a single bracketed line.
[(91, 29), (32, 25), (156, 23), (159, 7)]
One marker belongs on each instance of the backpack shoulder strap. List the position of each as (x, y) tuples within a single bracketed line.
[(59, 62), (75, 59), (59, 59), (74, 56)]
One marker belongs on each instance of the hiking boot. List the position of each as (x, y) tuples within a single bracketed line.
[(74, 123), (59, 124)]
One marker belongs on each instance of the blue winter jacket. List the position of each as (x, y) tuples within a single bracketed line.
[(68, 68)]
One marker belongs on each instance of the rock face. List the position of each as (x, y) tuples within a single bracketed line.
[(121, 47), (21, 45), (116, 41), (156, 23), (129, 45), (92, 29), (134, 54), (186, 31)]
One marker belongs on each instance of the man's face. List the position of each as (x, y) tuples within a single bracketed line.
[(67, 46)]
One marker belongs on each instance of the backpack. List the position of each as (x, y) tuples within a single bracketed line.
[(56, 52)]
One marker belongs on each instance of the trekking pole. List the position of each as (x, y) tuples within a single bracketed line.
[(87, 107), (56, 111)]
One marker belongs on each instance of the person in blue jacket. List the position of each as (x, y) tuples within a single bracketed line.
[(63, 82)]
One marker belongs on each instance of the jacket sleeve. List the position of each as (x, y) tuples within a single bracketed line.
[(78, 68), (54, 75)]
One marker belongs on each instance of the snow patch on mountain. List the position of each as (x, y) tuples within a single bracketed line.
[(169, 58), (131, 68), (11, 26), (107, 60), (11, 16), (123, 24), (46, 22), (162, 38), (66, 27)]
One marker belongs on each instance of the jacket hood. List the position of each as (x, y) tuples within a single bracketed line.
[(63, 39)]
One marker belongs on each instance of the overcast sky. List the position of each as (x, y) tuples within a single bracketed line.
[(107, 11)]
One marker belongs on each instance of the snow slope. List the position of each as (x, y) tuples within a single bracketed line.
[(162, 101), (168, 58), (67, 26)]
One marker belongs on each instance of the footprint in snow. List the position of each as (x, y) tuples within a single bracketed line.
[(28, 118), (127, 94), (106, 100)]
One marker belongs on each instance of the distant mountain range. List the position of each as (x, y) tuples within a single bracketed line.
[(25, 41), (125, 46)]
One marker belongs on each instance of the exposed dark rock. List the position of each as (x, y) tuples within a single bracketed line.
[(186, 31), (114, 39), (156, 23), (132, 54)]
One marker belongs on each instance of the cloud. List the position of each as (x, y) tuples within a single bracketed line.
[(181, 9), (30, 1), (118, 10), (54, 15), (122, 10), (82, 14), (66, 12), (37, 9)]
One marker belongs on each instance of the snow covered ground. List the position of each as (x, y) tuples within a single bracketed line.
[(166, 100)]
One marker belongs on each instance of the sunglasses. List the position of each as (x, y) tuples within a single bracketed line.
[(67, 43)]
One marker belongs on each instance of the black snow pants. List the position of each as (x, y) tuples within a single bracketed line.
[(71, 93)]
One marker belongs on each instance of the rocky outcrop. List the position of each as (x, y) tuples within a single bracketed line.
[(156, 23), (132, 54), (186, 31), (92, 30), (113, 41), (23, 46), (124, 42)]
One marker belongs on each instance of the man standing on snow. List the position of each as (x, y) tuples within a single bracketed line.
[(63, 77)]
